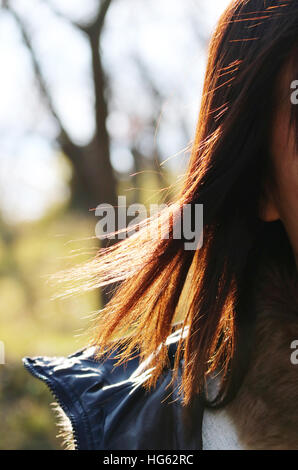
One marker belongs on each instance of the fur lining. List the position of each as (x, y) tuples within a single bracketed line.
[(265, 410), (65, 428)]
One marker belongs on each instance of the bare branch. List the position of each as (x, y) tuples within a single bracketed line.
[(97, 24), (93, 31), (64, 139), (91, 28), (59, 14)]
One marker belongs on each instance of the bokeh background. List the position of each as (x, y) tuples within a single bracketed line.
[(97, 98)]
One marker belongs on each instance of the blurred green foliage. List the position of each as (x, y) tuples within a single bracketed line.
[(32, 323), (27, 421)]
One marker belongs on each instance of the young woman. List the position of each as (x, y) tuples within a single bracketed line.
[(225, 377)]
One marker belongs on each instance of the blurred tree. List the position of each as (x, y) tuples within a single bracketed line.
[(94, 179)]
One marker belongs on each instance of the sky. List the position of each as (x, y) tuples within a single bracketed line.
[(33, 176)]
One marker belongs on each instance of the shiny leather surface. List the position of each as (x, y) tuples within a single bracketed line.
[(109, 409)]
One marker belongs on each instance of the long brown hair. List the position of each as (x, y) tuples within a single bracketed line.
[(228, 163)]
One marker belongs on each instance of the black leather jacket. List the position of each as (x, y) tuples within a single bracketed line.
[(109, 409)]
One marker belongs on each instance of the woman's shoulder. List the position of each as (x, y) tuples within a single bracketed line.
[(107, 407)]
